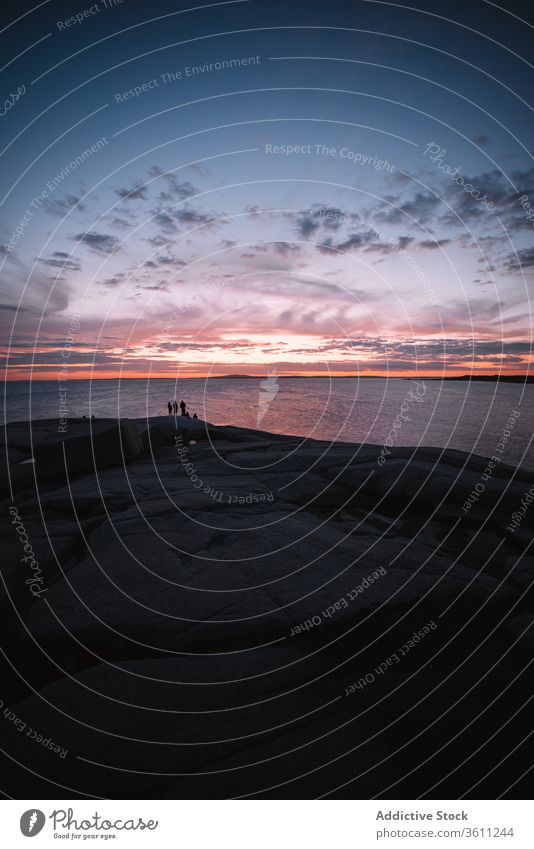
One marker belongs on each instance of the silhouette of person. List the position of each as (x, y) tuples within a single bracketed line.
[(182, 407), (195, 416), (175, 407), (169, 405), (187, 415)]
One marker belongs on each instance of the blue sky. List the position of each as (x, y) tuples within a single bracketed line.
[(296, 201)]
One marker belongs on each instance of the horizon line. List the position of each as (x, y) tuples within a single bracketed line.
[(408, 376)]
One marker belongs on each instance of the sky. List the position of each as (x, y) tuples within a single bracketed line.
[(240, 187)]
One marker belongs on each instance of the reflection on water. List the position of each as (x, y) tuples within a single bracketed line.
[(469, 417)]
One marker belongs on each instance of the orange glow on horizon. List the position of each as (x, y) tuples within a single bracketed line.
[(117, 374)]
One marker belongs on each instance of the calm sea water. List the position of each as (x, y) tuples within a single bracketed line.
[(469, 417)]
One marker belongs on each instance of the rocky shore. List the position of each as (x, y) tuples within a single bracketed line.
[(191, 611)]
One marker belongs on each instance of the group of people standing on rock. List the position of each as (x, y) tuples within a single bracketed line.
[(172, 407)]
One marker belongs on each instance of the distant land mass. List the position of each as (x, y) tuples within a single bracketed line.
[(303, 377), (234, 376), (503, 378)]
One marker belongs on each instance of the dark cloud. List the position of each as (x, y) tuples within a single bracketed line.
[(433, 244), (207, 345), (61, 207), (175, 189), (355, 240), (172, 221), (285, 248), (169, 260), (156, 287), (523, 260), (427, 353), (158, 241), (306, 225), (122, 223), (318, 221), (11, 308), (502, 192), (98, 242), (305, 289), (421, 208), (309, 221), (165, 261), (189, 216), (41, 297), (55, 357), (110, 283), (61, 260), (167, 223), (368, 240), (137, 193)]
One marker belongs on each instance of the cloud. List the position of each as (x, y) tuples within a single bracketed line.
[(276, 248), (52, 358), (11, 308), (303, 289), (424, 352), (60, 207), (98, 242), (355, 240), (306, 225), (318, 216), (42, 296), (171, 221), (319, 221), (422, 208), (63, 261), (523, 260), (174, 188), (499, 190), (164, 261), (368, 240), (433, 244), (137, 193), (111, 282), (285, 248), (122, 223), (169, 260), (165, 221), (156, 287), (178, 191), (189, 216)]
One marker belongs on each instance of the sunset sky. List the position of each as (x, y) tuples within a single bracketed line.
[(189, 241)]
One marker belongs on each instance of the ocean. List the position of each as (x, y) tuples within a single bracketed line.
[(470, 417)]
